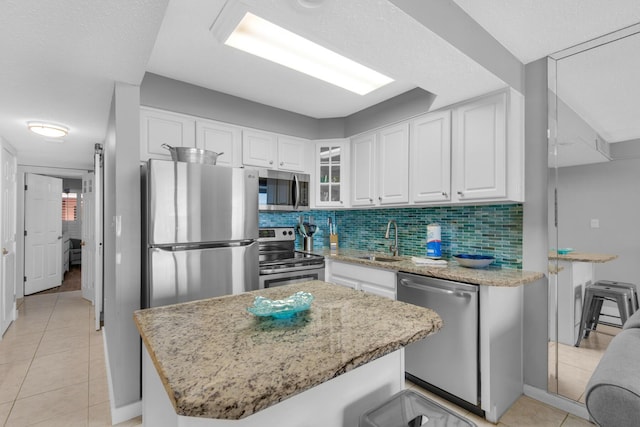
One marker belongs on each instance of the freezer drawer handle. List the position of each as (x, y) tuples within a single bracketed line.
[(408, 283)]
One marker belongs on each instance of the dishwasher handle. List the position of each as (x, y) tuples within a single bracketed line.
[(430, 288)]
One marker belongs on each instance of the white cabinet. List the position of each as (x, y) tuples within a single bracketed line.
[(488, 149), (430, 148), (259, 149), (367, 279), (293, 153), (272, 151), (162, 127), (362, 169), (331, 175), (393, 165), (379, 167), (221, 138)]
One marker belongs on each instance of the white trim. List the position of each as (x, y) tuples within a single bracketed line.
[(122, 413), (557, 401)]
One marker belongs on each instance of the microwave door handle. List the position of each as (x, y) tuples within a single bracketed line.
[(296, 183)]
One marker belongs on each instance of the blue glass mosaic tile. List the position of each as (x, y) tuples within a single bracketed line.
[(489, 230)]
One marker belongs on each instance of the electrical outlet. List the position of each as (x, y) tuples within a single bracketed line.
[(595, 223)]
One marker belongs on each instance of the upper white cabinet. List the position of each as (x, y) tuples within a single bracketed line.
[(379, 167), (221, 138), (479, 149), (488, 149), (363, 149), (430, 149), (272, 151), (293, 153), (331, 173), (393, 162), (162, 127), (259, 149)]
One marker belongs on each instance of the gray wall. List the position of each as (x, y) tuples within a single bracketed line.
[(535, 242), (607, 192), (122, 247), (167, 94)]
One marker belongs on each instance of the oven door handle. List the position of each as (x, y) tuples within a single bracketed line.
[(290, 269)]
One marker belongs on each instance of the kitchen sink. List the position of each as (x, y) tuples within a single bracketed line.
[(378, 258)]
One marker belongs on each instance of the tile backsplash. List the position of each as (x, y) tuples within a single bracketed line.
[(491, 229)]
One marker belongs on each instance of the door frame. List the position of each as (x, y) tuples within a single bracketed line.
[(4, 145), (42, 170)]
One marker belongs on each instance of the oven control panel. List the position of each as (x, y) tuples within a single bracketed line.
[(276, 234)]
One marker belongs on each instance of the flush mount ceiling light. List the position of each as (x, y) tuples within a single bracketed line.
[(48, 129), (262, 38)]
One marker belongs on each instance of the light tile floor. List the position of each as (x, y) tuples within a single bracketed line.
[(52, 369), (576, 365), (52, 372)]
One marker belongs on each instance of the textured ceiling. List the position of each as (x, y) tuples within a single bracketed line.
[(60, 58), (375, 33), (59, 63), (533, 29)]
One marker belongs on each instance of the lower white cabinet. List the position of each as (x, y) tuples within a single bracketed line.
[(367, 279)]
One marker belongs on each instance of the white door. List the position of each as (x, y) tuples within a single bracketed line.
[(88, 240), (43, 233), (8, 239), (97, 233)]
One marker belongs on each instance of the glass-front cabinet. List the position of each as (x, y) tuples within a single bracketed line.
[(331, 183)]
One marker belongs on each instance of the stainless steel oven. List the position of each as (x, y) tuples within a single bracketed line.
[(281, 264)]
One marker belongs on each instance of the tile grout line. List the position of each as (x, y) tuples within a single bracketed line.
[(13, 403)]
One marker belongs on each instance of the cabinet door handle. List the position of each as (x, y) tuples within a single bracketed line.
[(270, 162), (444, 194), (370, 200), (379, 198), (460, 193), (281, 163), (341, 202)]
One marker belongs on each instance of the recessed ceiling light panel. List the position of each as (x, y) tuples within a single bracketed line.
[(262, 38), (48, 129)]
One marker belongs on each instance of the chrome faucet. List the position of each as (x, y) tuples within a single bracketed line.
[(392, 248)]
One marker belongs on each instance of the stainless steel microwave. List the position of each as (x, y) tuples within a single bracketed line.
[(283, 191)]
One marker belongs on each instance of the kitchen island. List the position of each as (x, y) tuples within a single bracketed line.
[(212, 363)]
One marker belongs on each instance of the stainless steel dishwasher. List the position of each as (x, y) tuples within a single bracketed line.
[(447, 362)]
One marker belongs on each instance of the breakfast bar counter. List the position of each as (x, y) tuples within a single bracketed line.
[(217, 361)]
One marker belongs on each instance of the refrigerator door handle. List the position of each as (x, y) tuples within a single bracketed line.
[(296, 183), (175, 248)]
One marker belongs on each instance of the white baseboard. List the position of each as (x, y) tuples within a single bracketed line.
[(121, 413), (557, 401)]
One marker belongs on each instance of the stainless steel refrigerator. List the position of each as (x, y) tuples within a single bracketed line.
[(201, 231)]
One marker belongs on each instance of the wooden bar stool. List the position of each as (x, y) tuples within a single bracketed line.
[(623, 294)]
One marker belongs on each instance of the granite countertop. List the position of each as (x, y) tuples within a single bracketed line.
[(489, 276), (582, 257), (216, 360)]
